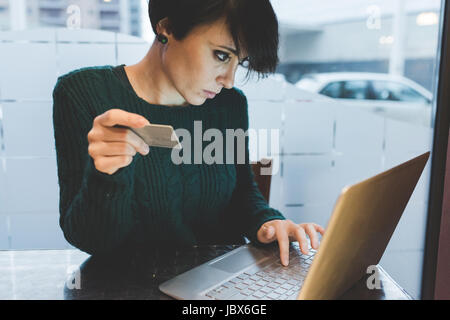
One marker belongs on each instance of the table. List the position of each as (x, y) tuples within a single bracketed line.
[(72, 274)]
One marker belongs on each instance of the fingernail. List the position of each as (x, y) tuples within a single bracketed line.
[(146, 149)]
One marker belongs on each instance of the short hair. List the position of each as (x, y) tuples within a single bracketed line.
[(253, 25)]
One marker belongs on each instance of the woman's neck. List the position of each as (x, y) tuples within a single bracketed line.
[(151, 83)]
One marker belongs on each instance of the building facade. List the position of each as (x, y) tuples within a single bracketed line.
[(111, 15)]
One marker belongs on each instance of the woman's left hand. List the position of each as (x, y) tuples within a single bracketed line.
[(286, 231)]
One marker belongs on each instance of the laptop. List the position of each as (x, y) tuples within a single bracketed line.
[(364, 218)]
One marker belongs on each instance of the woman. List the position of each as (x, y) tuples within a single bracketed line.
[(114, 190)]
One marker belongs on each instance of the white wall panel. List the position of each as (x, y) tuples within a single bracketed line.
[(126, 38), (276, 190), (319, 214), (308, 127), (74, 56), (405, 138), (410, 232), (358, 132), (269, 89), (84, 35), (309, 180), (28, 129), (4, 244), (42, 228), (265, 115), (2, 187), (131, 53), (28, 71), (354, 168), (32, 185), (40, 34), (265, 123)]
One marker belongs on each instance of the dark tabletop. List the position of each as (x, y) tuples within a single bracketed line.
[(72, 274)]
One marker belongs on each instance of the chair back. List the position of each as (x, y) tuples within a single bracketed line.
[(263, 181)]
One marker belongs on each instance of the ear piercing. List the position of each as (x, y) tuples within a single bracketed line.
[(162, 38)]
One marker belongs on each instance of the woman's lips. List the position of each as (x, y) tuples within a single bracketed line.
[(209, 94)]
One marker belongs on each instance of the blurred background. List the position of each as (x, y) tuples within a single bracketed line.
[(354, 94)]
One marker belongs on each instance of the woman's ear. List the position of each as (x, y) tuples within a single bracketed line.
[(163, 27)]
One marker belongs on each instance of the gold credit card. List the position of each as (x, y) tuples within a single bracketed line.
[(156, 135)]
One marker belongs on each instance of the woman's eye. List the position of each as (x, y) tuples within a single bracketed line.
[(222, 56)]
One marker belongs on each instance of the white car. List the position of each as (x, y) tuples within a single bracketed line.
[(387, 95)]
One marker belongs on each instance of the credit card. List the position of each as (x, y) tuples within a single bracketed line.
[(156, 135)]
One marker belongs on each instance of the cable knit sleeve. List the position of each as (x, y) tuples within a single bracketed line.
[(95, 208), (248, 202)]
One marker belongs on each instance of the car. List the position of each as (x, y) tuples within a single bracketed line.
[(388, 95)]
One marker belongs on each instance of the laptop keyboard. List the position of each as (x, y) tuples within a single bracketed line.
[(272, 282)]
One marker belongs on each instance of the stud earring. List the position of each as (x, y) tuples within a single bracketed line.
[(162, 38)]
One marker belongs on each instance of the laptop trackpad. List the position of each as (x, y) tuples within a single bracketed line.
[(239, 260)]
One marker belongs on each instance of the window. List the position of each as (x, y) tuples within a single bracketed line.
[(332, 90), (356, 89), (122, 16), (394, 91)]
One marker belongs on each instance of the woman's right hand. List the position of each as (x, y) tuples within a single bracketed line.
[(113, 148)]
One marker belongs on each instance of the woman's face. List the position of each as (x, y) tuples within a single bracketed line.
[(202, 62)]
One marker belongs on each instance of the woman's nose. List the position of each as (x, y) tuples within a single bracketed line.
[(227, 79)]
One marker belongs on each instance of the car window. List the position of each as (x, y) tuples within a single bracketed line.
[(332, 90), (395, 91), (355, 89)]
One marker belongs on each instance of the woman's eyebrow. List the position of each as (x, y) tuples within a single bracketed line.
[(234, 51), (229, 49)]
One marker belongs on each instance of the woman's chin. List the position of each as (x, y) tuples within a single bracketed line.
[(197, 101)]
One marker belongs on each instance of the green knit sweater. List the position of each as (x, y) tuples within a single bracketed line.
[(153, 202)]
